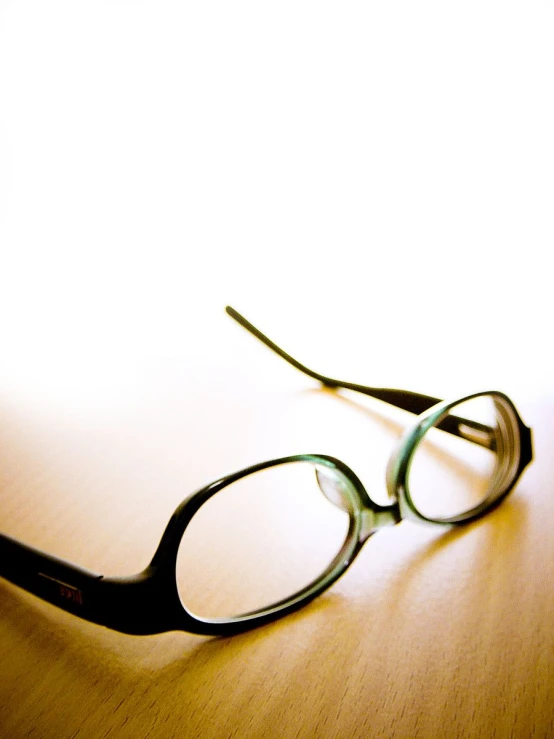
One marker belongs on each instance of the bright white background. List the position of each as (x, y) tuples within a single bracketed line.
[(381, 172)]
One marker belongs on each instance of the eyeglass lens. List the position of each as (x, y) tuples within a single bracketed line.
[(261, 540), (449, 476)]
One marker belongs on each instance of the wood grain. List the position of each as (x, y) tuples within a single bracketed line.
[(430, 633)]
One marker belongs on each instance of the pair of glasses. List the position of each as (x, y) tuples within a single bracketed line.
[(260, 543)]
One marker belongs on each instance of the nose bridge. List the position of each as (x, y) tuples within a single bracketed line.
[(379, 517)]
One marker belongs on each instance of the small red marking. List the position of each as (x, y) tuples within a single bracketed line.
[(72, 594)]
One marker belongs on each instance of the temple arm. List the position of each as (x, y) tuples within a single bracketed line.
[(408, 401), (122, 604)]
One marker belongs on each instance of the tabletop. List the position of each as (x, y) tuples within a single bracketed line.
[(431, 632)]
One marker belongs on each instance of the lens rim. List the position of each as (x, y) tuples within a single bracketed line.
[(165, 559), (513, 460)]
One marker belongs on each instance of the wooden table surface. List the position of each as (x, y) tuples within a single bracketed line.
[(432, 632)]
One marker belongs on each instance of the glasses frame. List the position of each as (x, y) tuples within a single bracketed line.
[(149, 602)]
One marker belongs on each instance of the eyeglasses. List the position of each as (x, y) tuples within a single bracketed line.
[(257, 544)]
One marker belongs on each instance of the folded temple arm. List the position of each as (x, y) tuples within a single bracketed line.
[(416, 403), (123, 604)]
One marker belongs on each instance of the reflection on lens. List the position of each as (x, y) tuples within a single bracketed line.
[(259, 541), (451, 475)]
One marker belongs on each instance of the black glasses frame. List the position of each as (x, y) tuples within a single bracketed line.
[(149, 602)]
